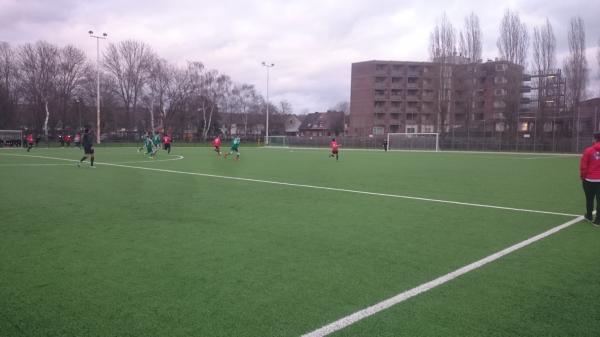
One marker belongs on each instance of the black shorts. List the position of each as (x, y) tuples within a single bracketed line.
[(88, 150), (334, 151)]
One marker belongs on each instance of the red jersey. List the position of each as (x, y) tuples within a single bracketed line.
[(589, 166), (30, 138), (167, 140), (67, 138), (217, 142), (334, 145)]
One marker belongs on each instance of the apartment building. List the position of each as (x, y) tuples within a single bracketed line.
[(394, 96)]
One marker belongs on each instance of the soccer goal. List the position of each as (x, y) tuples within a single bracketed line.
[(413, 141), (276, 141), (10, 138)]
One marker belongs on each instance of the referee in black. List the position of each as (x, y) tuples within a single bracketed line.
[(88, 149)]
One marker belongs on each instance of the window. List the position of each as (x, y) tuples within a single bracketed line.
[(500, 80), (499, 104), (396, 79), (427, 128), (379, 92), (396, 104), (396, 92), (379, 104), (379, 79), (411, 129), (378, 130), (501, 67), (380, 67), (459, 117), (411, 116), (500, 92)]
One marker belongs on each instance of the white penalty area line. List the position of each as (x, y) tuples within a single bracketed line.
[(369, 311), (318, 187)]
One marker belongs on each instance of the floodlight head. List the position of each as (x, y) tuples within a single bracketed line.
[(91, 32), (104, 34)]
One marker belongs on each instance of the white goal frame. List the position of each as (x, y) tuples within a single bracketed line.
[(11, 135), (408, 134), (283, 138)]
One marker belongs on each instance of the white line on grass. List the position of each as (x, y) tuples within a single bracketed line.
[(44, 164), (318, 187), (364, 313), (177, 157)]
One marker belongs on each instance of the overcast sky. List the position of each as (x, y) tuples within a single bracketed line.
[(311, 42)]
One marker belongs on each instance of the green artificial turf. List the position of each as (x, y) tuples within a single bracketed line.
[(122, 251)]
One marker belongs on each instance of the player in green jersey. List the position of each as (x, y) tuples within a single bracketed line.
[(235, 147)]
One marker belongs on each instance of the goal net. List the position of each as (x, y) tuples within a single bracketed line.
[(413, 141), (10, 138), (276, 141)]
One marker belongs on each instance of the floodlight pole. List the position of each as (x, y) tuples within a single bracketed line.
[(97, 37), (267, 65)]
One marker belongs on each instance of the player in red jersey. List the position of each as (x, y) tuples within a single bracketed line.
[(334, 149), (167, 143), (29, 141), (217, 144)]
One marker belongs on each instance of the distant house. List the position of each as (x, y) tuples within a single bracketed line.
[(318, 124), (236, 124), (292, 125)]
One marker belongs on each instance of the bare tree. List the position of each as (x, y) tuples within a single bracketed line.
[(343, 106), (246, 96), (213, 86), (159, 77), (513, 42), (576, 71), (470, 39), (39, 65), (9, 81), (598, 58), (71, 67), (129, 63), (442, 49), (544, 48)]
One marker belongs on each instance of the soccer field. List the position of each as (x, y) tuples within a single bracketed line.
[(286, 241)]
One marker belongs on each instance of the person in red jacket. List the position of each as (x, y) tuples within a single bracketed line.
[(29, 141), (217, 144), (334, 149), (589, 172), (167, 143)]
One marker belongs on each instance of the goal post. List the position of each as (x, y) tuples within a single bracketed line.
[(418, 141), (276, 141), (11, 138)]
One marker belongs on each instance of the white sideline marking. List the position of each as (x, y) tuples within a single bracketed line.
[(318, 187), (45, 164), (385, 304), (177, 157)]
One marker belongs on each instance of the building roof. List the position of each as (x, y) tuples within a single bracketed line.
[(322, 120)]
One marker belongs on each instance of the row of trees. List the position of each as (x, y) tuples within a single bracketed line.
[(46, 87), (513, 43)]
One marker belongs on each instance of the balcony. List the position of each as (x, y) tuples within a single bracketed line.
[(412, 85)]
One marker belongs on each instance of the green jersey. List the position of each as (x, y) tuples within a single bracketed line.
[(235, 144), (156, 140)]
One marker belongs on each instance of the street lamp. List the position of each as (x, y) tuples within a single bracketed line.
[(267, 65), (97, 37)]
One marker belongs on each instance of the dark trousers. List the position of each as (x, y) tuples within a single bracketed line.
[(592, 191)]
